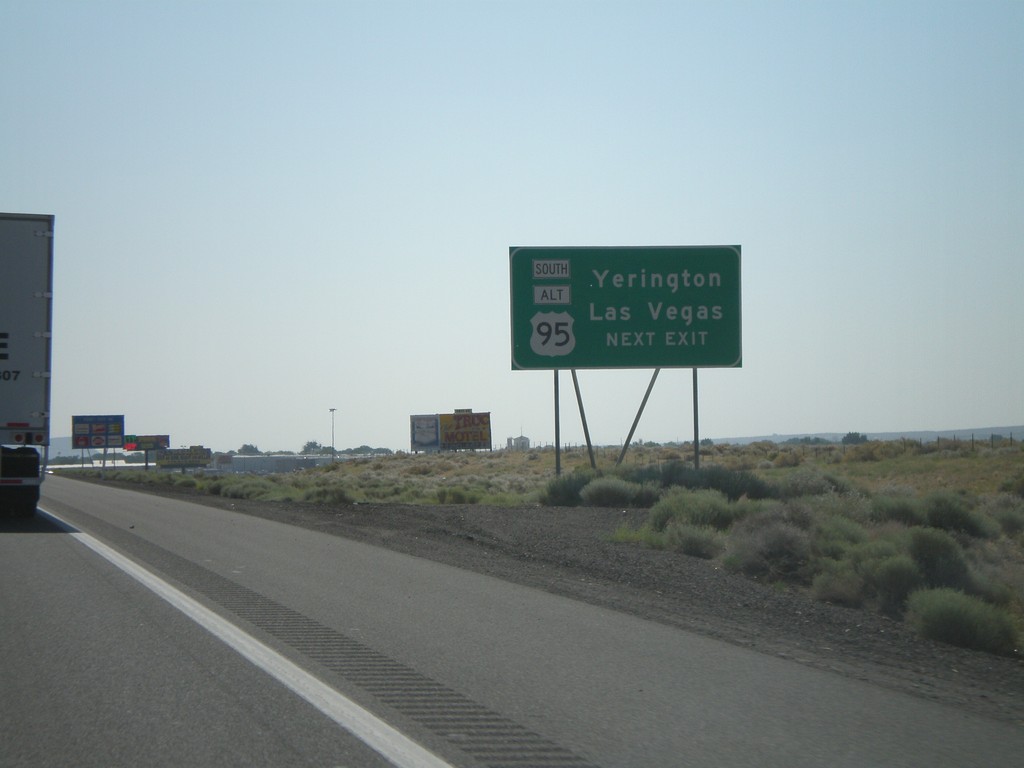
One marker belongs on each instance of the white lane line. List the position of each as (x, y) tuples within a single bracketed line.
[(371, 730)]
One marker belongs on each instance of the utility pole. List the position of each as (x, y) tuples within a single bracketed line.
[(332, 410)]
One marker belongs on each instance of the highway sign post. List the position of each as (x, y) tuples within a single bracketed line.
[(625, 307)]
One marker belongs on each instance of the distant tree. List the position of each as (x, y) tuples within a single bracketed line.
[(249, 450), (807, 440), (313, 448), (854, 438), (365, 450)]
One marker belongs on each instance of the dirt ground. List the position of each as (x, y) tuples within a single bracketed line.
[(566, 551)]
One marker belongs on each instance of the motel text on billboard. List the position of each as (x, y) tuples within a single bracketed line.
[(625, 307), (465, 430)]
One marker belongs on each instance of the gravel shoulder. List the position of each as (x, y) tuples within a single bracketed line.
[(567, 551)]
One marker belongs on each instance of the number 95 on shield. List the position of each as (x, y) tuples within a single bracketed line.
[(552, 334)]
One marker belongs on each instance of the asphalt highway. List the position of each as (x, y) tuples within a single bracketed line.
[(100, 670)]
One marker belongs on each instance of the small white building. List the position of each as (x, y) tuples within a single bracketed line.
[(519, 443)]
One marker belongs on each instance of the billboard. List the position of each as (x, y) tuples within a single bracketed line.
[(424, 433), (462, 430), (97, 431), (193, 456), (625, 307)]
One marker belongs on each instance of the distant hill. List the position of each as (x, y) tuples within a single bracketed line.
[(978, 433)]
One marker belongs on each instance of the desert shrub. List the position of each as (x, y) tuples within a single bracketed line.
[(327, 494), (876, 450), (834, 534), (564, 491), (787, 459), (898, 489), (940, 558), (988, 587), (800, 512), (874, 550), (950, 512), (768, 544), (666, 474), (1015, 486), (849, 504), (456, 495), (747, 507), (412, 494), (733, 483), (469, 496), (700, 508), (667, 507), (838, 582), (647, 495), (900, 509), (212, 486), (1007, 511), (694, 540), (892, 580), (419, 469), (247, 488), (810, 481), (609, 492), (709, 509), (949, 616)]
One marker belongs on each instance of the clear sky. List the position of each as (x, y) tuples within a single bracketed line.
[(268, 209)]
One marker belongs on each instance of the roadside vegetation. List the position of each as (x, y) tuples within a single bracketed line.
[(931, 534)]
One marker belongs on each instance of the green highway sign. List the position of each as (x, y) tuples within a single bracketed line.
[(625, 307)]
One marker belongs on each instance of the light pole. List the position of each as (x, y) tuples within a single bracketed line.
[(332, 410)]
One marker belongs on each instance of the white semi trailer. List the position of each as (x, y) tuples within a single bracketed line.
[(26, 301)]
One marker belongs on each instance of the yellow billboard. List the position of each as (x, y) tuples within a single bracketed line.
[(465, 431)]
